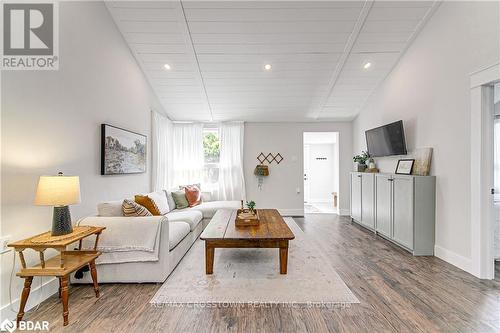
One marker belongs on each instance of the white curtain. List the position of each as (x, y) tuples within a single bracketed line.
[(188, 161), (497, 158), (162, 152), (231, 178)]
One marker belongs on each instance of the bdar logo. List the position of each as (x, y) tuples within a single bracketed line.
[(28, 29)]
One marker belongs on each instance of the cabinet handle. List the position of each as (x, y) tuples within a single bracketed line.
[(390, 180)]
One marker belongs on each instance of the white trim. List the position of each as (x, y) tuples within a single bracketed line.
[(188, 41), (48, 289), (485, 76), (481, 172), (353, 37), (453, 258), (291, 212)]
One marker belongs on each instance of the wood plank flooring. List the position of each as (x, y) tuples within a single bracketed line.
[(398, 293)]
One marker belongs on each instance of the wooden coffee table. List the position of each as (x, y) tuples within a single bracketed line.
[(222, 232)]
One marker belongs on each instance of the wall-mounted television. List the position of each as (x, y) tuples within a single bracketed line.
[(386, 140)]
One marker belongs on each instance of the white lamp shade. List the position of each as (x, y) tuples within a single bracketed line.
[(58, 191)]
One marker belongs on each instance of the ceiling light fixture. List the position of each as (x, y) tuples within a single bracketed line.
[(367, 65), (268, 67), (167, 67)]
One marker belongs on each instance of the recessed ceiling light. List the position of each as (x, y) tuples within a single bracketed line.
[(167, 67), (268, 67), (367, 65)]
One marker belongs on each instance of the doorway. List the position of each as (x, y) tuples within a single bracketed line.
[(321, 172), (482, 173)]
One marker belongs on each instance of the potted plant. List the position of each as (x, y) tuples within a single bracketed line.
[(251, 206), (361, 160)]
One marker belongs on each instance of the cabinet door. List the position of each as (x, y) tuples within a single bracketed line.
[(367, 200), (356, 196), (383, 204), (403, 210)]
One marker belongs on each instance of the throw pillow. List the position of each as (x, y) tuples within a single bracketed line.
[(193, 195), (170, 199), (149, 203), (180, 199), (160, 199), (131, 208), (198, 185)]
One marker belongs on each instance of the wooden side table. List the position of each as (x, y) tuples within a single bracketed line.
[(60, 266)]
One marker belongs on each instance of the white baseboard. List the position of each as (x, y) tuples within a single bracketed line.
[(344, 212), (49, 288), (291, 212), (453, 258)]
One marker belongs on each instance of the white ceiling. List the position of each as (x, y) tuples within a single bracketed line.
[(217, 52)]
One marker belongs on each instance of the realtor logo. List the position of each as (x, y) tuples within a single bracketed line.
[(30, 36), (8, 325)]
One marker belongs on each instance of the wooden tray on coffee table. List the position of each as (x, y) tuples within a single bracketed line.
[(244, 218)]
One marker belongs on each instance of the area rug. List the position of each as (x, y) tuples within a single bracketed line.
[(251, 276)]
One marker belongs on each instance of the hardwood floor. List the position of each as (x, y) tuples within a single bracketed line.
[(398, 293)]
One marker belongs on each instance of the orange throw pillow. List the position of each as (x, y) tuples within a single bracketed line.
[(148, 203), (193, 195)]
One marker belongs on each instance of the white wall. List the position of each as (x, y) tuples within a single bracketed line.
[(429, 90), (279, 189), (51, 122)]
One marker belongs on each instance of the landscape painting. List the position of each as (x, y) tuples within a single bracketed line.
[(122, 151)]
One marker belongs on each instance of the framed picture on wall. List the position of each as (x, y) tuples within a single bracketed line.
[(404, 166), (122, 151)]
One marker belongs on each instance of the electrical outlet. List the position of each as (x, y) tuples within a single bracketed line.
[(4, 240)]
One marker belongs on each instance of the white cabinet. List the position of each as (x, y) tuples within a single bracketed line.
[(367, 200), (356, 196), (402, 198), (383, 204), (362, 199), (400, 208)]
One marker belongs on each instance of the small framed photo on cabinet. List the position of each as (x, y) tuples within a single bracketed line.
[(405, 166)]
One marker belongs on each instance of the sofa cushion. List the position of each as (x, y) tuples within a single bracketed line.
[(170, 198), (176, 233), (149, 203), (180, 199), (208, 209), (193, 195), (110, 208), (160, 199), (190, 216), (131, 208)]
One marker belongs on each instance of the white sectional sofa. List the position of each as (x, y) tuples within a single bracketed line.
[(178, 230)]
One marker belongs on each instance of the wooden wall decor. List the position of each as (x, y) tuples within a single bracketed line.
[(270, 158)]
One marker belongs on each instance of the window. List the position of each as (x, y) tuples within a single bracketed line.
[(211, 152)]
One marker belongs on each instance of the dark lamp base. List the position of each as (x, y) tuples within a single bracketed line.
[(61, 221)]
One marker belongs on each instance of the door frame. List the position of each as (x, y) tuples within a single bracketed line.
[(481, 173), (307, 186)]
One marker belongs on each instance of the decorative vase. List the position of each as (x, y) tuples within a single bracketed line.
[(361, 167)]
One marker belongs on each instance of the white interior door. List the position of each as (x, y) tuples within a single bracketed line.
[(307, 190)]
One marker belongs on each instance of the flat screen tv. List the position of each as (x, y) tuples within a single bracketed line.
[(386, 140)]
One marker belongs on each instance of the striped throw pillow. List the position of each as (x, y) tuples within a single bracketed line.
[(131, 208)]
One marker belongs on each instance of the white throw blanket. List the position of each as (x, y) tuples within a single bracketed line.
[(126, 239)]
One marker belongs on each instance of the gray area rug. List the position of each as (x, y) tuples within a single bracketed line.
[(252, 276)]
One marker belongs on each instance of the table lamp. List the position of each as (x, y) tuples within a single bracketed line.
[(59, 191)]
